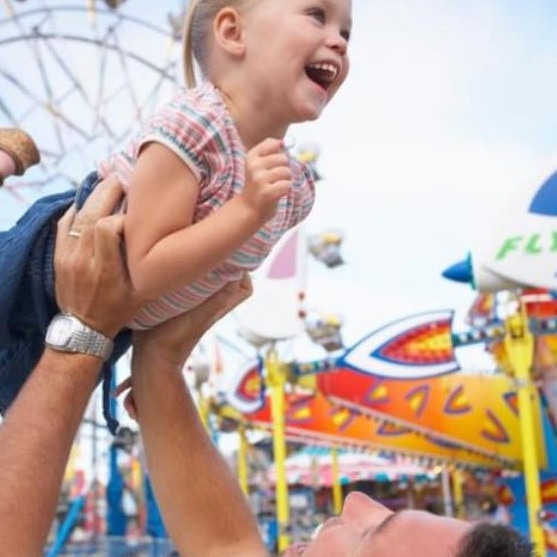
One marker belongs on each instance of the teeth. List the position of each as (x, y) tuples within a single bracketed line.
[(330, 68)]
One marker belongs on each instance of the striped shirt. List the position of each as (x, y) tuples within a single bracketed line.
[(197, 126)]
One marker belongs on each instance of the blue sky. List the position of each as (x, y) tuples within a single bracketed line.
[(449, 110)]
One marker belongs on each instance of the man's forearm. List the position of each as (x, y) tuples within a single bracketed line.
[(35, 439), (201, 502)]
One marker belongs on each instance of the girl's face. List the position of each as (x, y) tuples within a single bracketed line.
[(297, 54)]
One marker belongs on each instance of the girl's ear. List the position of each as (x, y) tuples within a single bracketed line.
[(229, 33)]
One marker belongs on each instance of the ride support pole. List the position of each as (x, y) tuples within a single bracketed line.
[(458, 493), (243, 471), (204, 409), (447, 494), (276, 382), (519, 344), (337, 488)]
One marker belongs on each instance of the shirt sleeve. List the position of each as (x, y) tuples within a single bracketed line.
[(302, 195), (190, 130)]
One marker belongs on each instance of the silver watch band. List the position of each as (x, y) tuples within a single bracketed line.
[(67, 333), (94, 343)]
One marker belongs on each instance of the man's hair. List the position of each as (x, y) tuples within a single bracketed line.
[(494, 540)]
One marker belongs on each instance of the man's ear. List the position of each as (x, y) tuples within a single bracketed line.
[(229, 33)]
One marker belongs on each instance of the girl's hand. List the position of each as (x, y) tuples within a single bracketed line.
[(268, 177)]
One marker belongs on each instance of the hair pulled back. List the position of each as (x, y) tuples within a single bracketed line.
[(197, 33)]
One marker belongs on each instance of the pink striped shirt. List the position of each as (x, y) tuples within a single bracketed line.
[(197, 126)]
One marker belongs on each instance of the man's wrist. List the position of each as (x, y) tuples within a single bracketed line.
[(160, 348), (76, 359), (67, 333), (80, 370), (147, 361)]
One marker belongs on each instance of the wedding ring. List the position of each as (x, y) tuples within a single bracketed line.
[(74, 233)]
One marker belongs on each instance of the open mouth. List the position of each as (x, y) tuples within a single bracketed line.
[(322, 74)]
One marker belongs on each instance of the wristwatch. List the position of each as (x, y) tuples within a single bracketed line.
[(66, 333)]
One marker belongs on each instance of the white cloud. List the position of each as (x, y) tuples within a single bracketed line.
[(445, 117)]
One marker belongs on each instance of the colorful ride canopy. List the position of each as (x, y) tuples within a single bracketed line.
[(399, 389), (316, 420), (477, 412)]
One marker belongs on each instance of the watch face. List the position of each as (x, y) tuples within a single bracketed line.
[(60, 331)]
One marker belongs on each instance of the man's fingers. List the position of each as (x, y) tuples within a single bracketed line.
[(204, 316), (240, 290), (65, 222), (246, 286), (243, 291), (108, 239), (129, 402), (122, 387), (231, 296), (63, 228), (103, 201), (130, 406)]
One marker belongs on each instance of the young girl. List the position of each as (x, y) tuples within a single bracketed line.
[(210, 187)]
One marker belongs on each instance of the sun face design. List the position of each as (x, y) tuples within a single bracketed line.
[(81, 78)]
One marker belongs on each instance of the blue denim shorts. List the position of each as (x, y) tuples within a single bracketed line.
[(27, 294)]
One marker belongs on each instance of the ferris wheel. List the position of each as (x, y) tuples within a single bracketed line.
[(81, 77)]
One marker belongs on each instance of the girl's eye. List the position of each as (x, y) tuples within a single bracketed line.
[(318, 14)]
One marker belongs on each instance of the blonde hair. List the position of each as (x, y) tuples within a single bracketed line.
[(197, 32)]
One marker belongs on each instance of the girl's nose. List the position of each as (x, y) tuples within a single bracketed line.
[(338, 42)]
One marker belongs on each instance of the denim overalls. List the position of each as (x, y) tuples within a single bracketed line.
[(27, 295)]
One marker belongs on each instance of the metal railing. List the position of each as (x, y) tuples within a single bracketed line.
[(118, 547)]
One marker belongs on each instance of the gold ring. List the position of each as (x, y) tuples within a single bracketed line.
[(74, 234)]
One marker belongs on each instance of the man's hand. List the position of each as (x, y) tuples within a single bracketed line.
[(171, 342), (174, 339), (92, 282), (39, 429), (202, 505), (268, 177)]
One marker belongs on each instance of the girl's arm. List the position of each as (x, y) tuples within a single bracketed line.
[(164, 249)]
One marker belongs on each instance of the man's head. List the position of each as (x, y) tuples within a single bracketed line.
[(486, 539), (366, 528)]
